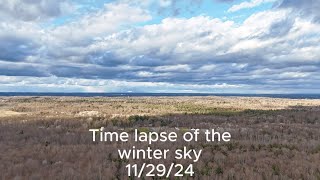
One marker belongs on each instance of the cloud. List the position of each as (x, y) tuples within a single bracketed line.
[(23, 69), (31, 10), (294, 75), (248, 4), (213, 51), (52, 84), (107, 51), (176, 7), (19, 41), (175, 68), (224, 0), (112, 18), (309, 8)]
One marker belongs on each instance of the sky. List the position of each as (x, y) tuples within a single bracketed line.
[(181, 46)]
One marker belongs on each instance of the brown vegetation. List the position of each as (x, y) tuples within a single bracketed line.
[(48, 136)]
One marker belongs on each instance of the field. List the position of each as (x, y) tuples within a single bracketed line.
[(48, 136)]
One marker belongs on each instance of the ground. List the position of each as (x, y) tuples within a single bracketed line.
[(48, 136)]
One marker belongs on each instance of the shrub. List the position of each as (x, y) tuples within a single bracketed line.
[(219, 170), (275, 170)]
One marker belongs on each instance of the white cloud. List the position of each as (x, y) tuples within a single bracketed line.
[(248, 4), (207, 68), (174, 68), (165, 3), (145, 74), (45, 84), (202, 39), (112, 18), (294, 75)]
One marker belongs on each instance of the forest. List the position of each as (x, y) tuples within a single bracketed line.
[(271, 138)]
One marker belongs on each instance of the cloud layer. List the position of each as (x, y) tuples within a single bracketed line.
[(116, 49)]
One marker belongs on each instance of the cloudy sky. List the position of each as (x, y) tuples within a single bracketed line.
[(215, 46)]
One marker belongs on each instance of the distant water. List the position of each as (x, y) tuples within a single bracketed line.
[(290, 96)]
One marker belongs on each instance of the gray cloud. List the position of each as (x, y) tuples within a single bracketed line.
[(23, 69), (16, 49), (308, 8), (19, 41), (281, 28), (30, 10)]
